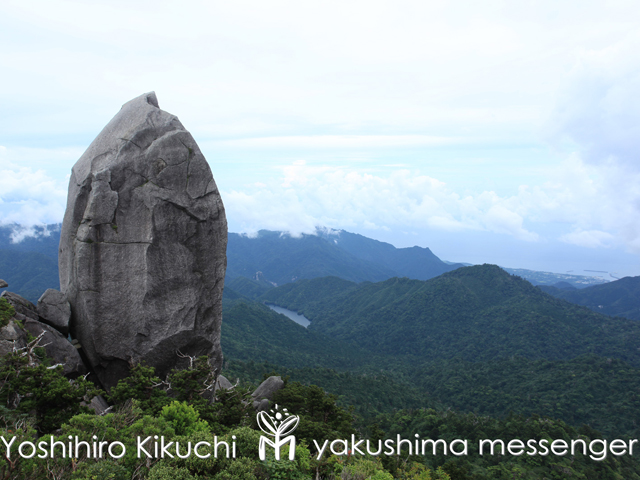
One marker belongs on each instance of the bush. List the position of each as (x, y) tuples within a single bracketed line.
[(102, 470), (166, 472), (183, 418), (240, 469), (6, 312), (43, 392)]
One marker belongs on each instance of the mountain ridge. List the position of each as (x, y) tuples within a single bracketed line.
[(473, 313)]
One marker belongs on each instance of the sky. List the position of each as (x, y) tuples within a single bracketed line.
[(491, 132)]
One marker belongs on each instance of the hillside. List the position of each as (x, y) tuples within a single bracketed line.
[(270, 258), (28, 273), (282, 259), (477, 313), (253, 332), (588, 389), (30, 266), (413, 262), (618, 298)]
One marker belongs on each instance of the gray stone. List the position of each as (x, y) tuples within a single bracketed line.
[(11, 335), (54, 310), (143, 246), (3, 284), (21, 305), (261, 405), (266, 391), (57, 347), (222, 383), (99, 405)]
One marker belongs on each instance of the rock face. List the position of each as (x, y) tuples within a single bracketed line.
[(54, 310), (3, 284), (143, 246)]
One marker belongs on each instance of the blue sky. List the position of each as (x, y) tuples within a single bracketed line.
[(506, 132)]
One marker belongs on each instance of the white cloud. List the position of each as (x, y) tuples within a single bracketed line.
[(599, 106), (342, 141), (598, 111), (252, 67), (29, 197), (309, 196), (589, 239)]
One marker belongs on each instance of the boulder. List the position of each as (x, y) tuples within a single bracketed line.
[(99, 405), (3, 284), (11, 335), (54, 310), (21, 305), (57, 347), (261, 405), (265, 392), (143, 246), (222, 383)]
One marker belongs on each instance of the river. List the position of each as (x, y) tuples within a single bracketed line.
[(296, 317)]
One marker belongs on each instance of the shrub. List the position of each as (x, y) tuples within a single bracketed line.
[(183, 418), (102, 470), (167, 472), (6, 312)]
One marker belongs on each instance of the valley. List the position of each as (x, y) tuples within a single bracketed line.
[(395, 332)]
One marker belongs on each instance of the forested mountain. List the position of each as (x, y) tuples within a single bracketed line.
[(38, 239), (430, 356), (282, 259), (28, 273), (590, 389), (270, 258), (253, 332), (475, 313), (413, 262), (618, 298)]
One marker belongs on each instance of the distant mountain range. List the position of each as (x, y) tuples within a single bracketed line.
[(477, 313), (268, 259), (399, 328), (279, 258), (30, 266), (620, 298), (476, 339)]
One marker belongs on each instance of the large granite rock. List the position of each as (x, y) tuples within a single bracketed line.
[(54, 310), (143, 246)]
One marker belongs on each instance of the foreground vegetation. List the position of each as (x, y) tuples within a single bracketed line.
[(177, 409)]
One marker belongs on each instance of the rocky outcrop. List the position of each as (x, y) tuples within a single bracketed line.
[(23, 307), (11, 336), (57, 347), (222, 383), (99, 405), (54, 310), (143, 246), (263, 395), (3, 284)]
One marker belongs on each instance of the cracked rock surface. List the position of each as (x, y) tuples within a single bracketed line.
[(143, 246), (54, 310)]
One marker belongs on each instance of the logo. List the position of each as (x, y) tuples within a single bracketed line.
[(277, 426)]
